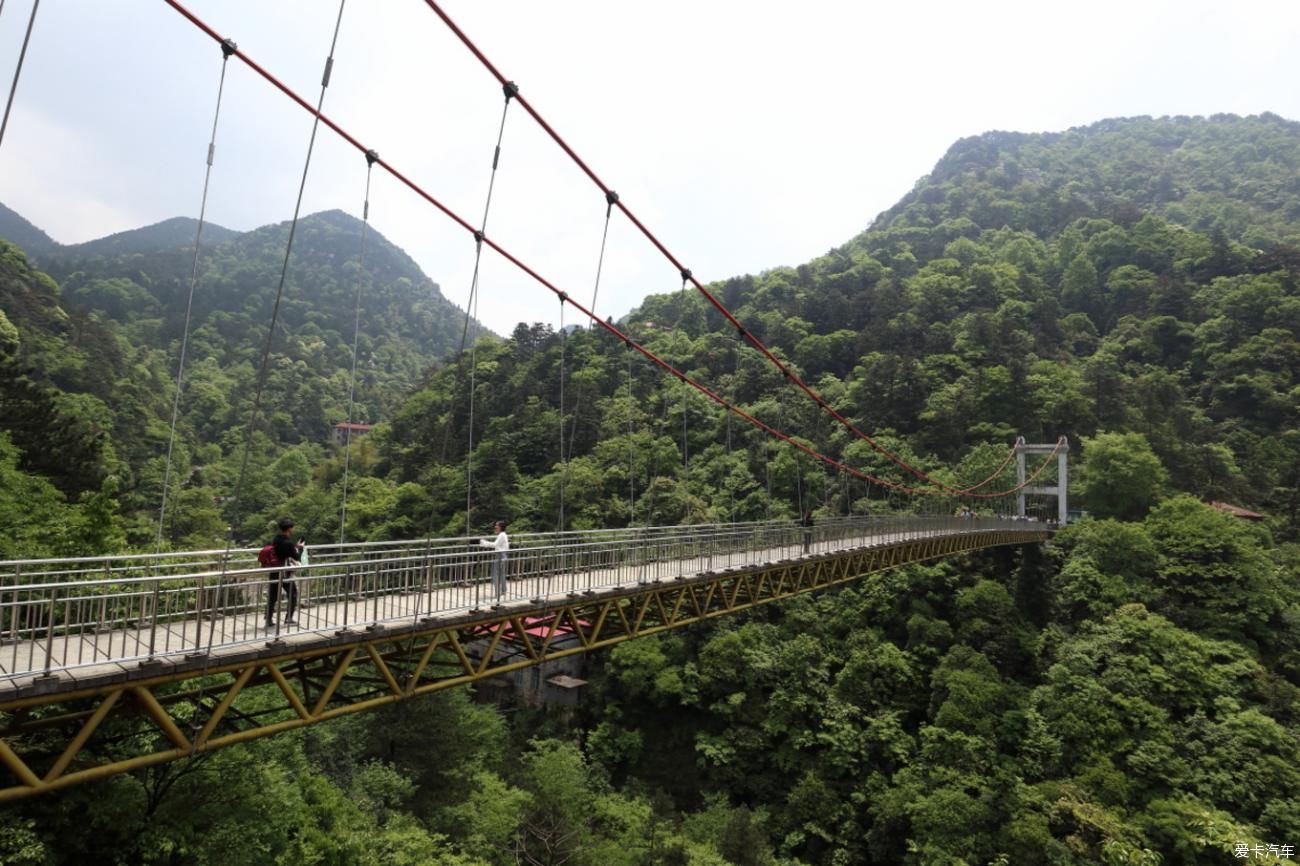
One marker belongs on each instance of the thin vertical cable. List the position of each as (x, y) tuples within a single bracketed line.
[(227, 49), (735, 375), (510, 89), (686, 450), (798, 470), (371, 158), (471, 309), (284, 269), (731, 488), (564, 463), (767, 471), (631, 445), (22, 55), (610, 199)]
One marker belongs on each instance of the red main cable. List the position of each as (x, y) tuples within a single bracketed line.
[(717, 305), (418, 190)]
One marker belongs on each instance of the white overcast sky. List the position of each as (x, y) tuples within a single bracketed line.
[(747, 134)]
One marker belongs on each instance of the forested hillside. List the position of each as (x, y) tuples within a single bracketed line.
[(1127, 694), (97, 333), (1032, 285)]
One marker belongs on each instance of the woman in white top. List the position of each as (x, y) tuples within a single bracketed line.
[(500, 544)]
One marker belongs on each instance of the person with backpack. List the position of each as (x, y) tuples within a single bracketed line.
[(282, 551)]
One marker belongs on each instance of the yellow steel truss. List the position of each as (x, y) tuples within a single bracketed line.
[(43, 735)]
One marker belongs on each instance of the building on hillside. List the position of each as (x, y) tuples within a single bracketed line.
[(343, 428), (1237, 511)]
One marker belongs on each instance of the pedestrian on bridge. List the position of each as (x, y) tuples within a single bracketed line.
[(501, 544), (288, 552), (807, 523)]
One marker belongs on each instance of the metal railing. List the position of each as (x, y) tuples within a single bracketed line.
[(61, 614)]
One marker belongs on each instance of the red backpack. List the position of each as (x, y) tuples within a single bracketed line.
[(267, 559)]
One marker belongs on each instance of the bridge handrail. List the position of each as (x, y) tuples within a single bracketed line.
[(120, 618), (45, 567)]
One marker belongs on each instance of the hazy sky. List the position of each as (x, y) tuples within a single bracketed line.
[(747, 135)]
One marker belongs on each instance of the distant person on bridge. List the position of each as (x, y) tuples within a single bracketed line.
[(500, 544), (807, 523), (287, 552)]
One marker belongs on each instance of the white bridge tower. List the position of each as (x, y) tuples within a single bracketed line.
[(1062, 449)]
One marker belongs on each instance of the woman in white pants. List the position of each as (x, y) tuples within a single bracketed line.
[(500, 544)]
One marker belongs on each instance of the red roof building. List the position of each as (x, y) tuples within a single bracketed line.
[(342, 429)]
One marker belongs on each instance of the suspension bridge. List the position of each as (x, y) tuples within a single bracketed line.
[(95, 650)]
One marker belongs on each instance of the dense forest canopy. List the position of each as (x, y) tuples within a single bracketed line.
[(1125, 695)]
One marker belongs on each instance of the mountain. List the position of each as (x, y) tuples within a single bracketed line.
[(99, 330), (1133, 276), (17, 230), (1237, 175), (174, 232), (145, 273)]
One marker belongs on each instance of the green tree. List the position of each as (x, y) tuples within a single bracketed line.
[(1122, 478)]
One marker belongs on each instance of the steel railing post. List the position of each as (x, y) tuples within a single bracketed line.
[(49, 635), (198, 615)]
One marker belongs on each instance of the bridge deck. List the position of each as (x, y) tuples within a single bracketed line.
[(69, 635), (183, 660)]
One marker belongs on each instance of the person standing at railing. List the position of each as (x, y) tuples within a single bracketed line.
[(501, 544), (288, 552), (807, 523)]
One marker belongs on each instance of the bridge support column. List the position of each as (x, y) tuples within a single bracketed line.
[(1059, 490)]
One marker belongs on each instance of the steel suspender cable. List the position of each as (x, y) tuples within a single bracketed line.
[(511, 90), (731, 490), (564, 464), (610, 198), (284, 270), (686, 448), (514, 260), (227, 48), (767, 473), (471, 309), (798, 470), (652, 487), (22, 55), (631, 446), (371, 158)]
